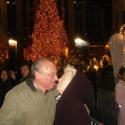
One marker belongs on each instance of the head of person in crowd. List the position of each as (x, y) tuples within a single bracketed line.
[(121, 74), (12, 74), (105, 61), (25, 71), (44, 74), (4, 75)]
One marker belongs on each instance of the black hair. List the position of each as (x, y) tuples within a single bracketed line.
[(122, 70), (25, 63)]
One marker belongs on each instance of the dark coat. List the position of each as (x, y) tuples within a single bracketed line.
[(5, 86), (70, 108)]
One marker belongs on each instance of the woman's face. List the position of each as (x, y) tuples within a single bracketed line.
[(4, 75)]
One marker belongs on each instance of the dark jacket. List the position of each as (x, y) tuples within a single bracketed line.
[(5, 86), (70, 109)]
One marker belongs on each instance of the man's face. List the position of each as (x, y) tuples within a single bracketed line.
[(48, 76), (25, 71)]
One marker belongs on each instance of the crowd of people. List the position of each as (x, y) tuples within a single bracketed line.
[(10, 78), (38, 101), (36, 95)]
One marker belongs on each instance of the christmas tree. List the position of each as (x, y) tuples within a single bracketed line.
[(48, 38)]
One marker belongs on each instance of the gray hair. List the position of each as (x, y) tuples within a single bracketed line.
[(37, 66)]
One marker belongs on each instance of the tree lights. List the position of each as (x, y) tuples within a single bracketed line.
[(49, 38)]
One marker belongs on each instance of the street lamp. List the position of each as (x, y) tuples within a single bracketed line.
[(80, 42), (12, 43), (81, 52), (12, 49)]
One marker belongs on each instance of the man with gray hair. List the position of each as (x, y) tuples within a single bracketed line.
[(33, 102)]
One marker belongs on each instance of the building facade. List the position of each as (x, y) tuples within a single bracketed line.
[(25, 12), (118, 10), (74, 16), (3, 24), (91, 19)]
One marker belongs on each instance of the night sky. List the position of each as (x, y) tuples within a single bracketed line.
[(94, 22)]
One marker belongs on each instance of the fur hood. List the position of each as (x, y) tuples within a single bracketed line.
[(69, 73)]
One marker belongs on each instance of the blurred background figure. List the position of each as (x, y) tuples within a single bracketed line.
[(91, 72), (105, 77), (104, 61), (120, 96), (6, 84), (24, 71)]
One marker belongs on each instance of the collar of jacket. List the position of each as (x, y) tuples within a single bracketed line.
[(29, 82)]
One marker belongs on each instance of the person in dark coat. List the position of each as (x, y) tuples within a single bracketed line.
[(71, 109), (6, 84)]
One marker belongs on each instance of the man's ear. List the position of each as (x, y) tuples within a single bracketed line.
[(37, 75)]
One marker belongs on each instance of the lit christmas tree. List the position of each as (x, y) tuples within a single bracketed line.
[(49, 37)]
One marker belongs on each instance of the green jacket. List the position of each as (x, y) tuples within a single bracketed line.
[(25, 105)]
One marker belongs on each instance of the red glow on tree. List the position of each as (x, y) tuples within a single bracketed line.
[(49, 38)]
